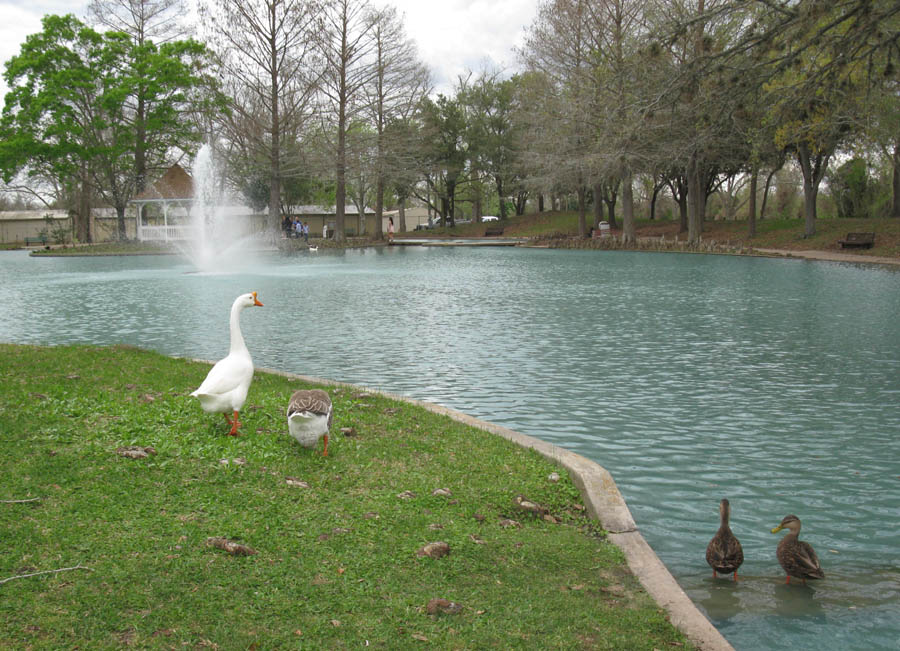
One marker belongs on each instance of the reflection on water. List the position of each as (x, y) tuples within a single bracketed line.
[(774, 383)]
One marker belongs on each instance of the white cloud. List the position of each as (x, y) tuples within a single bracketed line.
[(459, 35), (453, 36)]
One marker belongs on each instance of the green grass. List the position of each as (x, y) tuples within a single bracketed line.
[(336, 565), (770, 233), (107, 248)]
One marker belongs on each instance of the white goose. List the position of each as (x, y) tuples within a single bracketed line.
[(225, 388), (309, 417)]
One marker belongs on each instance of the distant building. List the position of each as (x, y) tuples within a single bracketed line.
[(163, 210)]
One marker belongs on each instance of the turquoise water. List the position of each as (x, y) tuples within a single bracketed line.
[(774, 383)]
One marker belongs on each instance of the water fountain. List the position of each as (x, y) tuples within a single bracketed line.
[(221, 240)]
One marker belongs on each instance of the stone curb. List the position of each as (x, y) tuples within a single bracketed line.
[(603, 502)]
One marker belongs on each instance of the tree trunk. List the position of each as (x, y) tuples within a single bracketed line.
[(598, 204), (582, 221), (762, 209), (401, 214), (120, 221), (629, 234), (813, 167), (379, 208), (656, 188), (83, 216), (273, 223), (751, 204), (541, 198), (696, 192), (895, 204), (140, 144), (499, 182)]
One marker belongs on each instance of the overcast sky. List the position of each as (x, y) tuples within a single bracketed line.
[(452, 35)]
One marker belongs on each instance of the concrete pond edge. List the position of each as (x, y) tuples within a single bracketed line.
[(603, 502)]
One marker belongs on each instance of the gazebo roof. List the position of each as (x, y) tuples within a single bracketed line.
[(175, 184)]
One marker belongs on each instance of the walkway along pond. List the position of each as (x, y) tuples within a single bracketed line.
[(690, 378)]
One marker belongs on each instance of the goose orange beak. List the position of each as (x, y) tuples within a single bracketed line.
[(256, 300)]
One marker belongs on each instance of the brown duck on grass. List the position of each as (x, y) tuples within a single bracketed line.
[(724, 552), (797, 557)]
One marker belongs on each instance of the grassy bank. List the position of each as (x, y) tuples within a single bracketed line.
[(336, 538), (770, 233), (786, 234)]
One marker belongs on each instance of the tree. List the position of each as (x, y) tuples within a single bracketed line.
[(444, 129), (265, 52), (495, 131), (399, 84), (145, 21), (70, 111), (559, 49), (347, 48)]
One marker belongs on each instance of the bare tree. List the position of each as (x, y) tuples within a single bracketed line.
[(265, 49), (348, 52), (559, 47), (399, 84), (143, 20)]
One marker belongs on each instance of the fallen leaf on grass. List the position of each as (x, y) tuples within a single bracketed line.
[(506, 523), (233, 548), (135, 451), (441, 492), (478, 540), (406, 495), (529, 506), (348, 431), (417, 636), (293, 481), (434, 550), (442, 606)]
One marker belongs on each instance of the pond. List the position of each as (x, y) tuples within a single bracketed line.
[(772, 382)]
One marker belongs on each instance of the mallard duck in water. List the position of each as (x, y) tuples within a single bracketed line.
[(724, 552), (309, 417), (796, 556)]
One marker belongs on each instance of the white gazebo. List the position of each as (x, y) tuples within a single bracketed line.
[(172, 196)]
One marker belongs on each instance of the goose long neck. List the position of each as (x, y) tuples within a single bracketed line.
[(237, 339)]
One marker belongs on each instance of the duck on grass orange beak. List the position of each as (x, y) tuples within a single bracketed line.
[(256, 300)]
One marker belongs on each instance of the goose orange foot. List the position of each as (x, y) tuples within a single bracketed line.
[(234, 424)]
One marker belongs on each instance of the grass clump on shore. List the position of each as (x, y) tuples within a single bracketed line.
[(336, 538)]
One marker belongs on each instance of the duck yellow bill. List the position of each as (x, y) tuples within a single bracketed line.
[(256, 300), (777, 529)]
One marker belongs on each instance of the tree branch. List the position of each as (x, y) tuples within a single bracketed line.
[(63, 569)]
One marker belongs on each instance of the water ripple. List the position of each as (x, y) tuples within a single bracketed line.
[(691, 378)]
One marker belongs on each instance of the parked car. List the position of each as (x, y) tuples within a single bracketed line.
[(490, 218)]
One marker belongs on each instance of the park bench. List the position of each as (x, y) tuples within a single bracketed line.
[(492, 231), (40, 239), (858, 241)]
